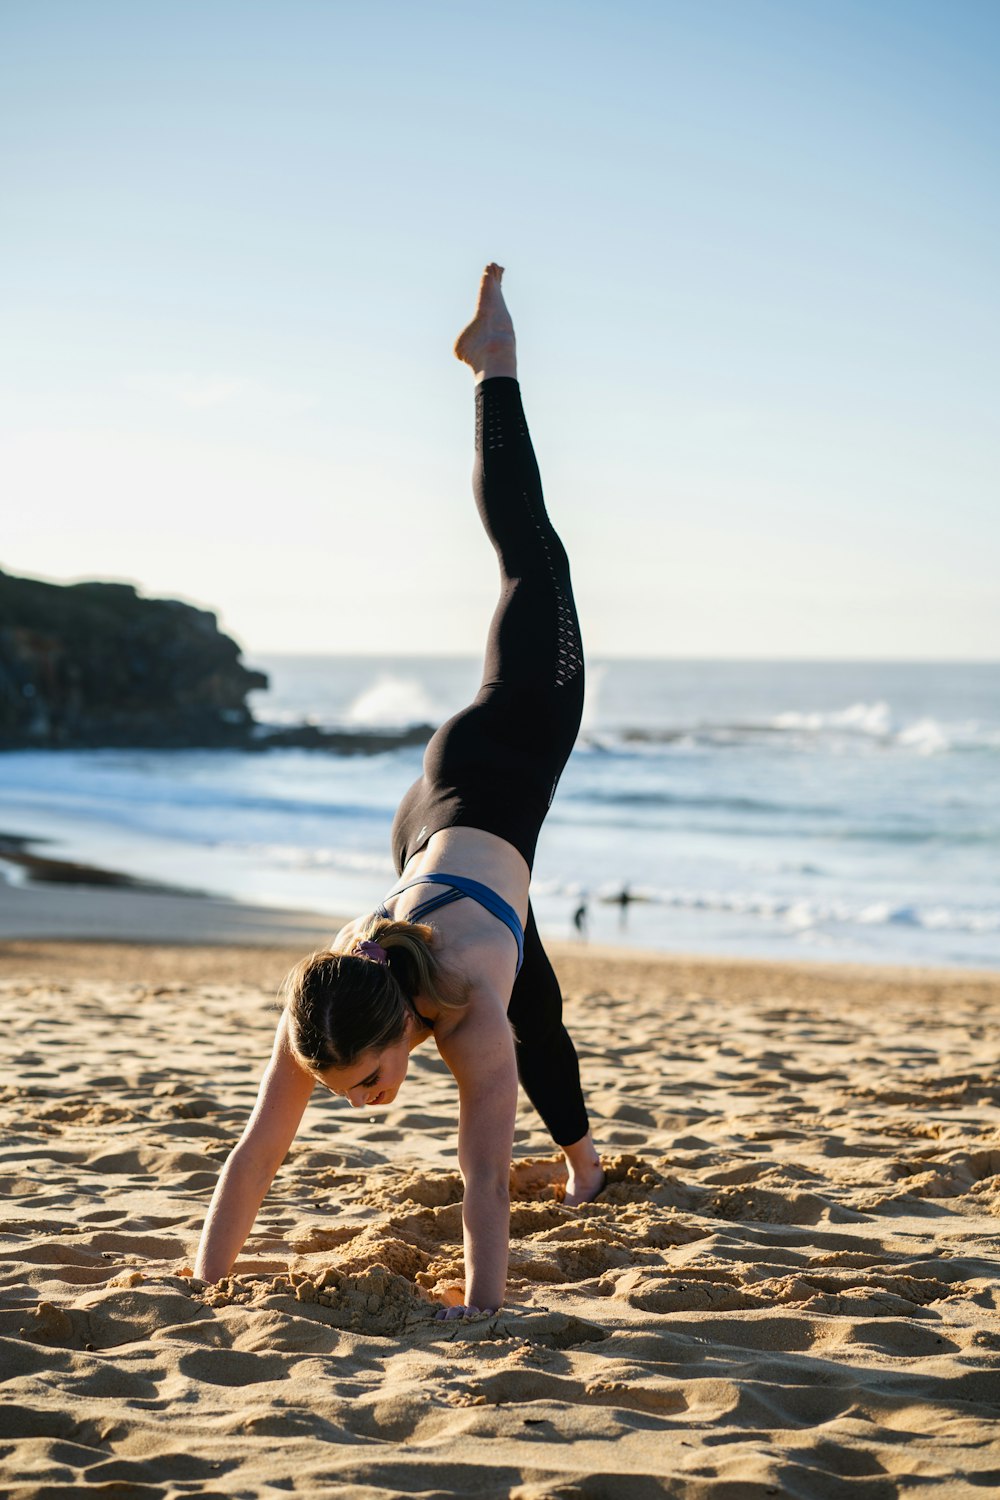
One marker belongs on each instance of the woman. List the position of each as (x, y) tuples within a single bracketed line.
[(464, 837)]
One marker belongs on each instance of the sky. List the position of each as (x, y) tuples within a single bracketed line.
[(751, 252)]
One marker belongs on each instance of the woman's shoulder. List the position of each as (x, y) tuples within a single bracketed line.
[(466, 1038)]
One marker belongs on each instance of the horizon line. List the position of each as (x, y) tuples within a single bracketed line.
[(614, 656)]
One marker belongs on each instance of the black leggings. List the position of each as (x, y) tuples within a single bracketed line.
[(496, 764)]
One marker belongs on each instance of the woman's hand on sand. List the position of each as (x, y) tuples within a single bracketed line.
[(449, 1314)]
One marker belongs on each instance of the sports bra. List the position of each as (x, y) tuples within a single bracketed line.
[(458, 886)]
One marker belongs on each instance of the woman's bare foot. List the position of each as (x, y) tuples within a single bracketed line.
[(583, 1187), (585, 1175), (487, 344)]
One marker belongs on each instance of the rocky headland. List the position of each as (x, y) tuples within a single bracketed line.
[(94, 665)]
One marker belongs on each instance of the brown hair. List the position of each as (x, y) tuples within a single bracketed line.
[(342, 1004)]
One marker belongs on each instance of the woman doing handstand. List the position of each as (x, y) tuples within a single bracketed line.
[(464, 838)]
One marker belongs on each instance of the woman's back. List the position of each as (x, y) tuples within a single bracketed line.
[(473, 943)]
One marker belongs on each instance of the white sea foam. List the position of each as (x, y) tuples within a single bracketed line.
[(872, 719), (858, 727), (392, 702), (926, 736), (596, 677), (298, 857), (800, 912)]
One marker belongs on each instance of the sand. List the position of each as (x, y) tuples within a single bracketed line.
[(79, 911), (789, 1286)]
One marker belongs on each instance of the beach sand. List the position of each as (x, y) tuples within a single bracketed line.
[(789, 1286)]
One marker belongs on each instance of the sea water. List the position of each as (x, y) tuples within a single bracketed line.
[(798, 809)]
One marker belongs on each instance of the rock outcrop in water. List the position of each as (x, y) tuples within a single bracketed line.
[(93, 664)]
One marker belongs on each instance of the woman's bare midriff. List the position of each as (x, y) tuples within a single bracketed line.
[(478, 855)]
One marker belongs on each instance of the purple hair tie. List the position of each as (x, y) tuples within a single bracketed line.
[(368, 949)]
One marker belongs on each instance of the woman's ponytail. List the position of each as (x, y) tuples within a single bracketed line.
[(411, 958)]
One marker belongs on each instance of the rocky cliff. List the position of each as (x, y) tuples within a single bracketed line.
[(92, 664)]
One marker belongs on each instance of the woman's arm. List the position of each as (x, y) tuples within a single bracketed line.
[(480, 1053), (251, 1165)]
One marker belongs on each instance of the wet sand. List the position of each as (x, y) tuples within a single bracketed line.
[(789, 1286)]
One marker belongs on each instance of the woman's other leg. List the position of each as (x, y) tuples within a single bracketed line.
[(548, 1068)]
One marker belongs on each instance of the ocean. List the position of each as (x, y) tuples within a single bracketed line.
[(824, 810)]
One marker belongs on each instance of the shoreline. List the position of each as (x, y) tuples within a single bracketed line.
[(51, 921), (74, 901)]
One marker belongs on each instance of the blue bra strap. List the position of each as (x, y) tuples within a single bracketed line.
[(423, 908), (443, 898), (459, 886)]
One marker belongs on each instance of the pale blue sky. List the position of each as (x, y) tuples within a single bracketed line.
[(752, 252)]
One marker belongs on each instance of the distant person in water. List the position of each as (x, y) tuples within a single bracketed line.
[(477, 980), (580, 919), (623, 901)]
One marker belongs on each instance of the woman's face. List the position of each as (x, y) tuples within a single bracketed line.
[(374, 1078)]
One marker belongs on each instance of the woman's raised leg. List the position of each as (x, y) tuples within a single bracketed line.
[(495, 765), (533, 671)]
